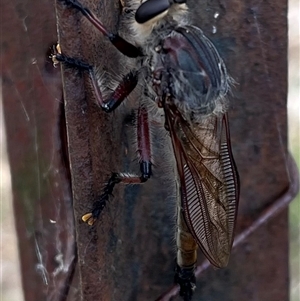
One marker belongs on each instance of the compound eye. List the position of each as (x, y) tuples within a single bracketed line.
[(150, 9)]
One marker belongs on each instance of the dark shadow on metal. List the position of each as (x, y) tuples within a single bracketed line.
[(270, 212)]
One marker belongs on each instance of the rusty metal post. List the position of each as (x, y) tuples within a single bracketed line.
[(129, 253), (117, 256)]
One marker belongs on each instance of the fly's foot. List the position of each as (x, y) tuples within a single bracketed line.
[(186, 279), (58, 57), (91, 217)]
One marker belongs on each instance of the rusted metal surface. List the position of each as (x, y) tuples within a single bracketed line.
[(252, 40), (129, 253), (122, 257), (34, 119)]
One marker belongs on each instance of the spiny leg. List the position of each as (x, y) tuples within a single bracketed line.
[(144, 150), (124, 88), (121, 44)]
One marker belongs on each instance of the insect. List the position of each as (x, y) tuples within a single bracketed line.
[(187, 79)]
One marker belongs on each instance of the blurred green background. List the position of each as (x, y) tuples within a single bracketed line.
[(294, 142)]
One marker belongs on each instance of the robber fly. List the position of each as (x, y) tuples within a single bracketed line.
[(187, 79)]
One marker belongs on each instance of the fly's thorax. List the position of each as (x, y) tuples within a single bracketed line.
[(196, 74), (182, 62)]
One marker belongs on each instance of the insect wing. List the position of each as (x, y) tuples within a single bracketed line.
[(209, 183)]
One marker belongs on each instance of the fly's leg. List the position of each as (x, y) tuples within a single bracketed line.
[(144, 143), (144, 150), (123, 89), (186, 258), (91, 217), (121, 44)]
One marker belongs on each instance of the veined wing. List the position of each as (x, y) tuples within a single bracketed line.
[(209, 182)]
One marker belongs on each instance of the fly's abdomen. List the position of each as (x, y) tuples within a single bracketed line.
[(186, 258), (186, 245)]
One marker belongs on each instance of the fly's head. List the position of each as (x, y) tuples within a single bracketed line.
[(149, 16)]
